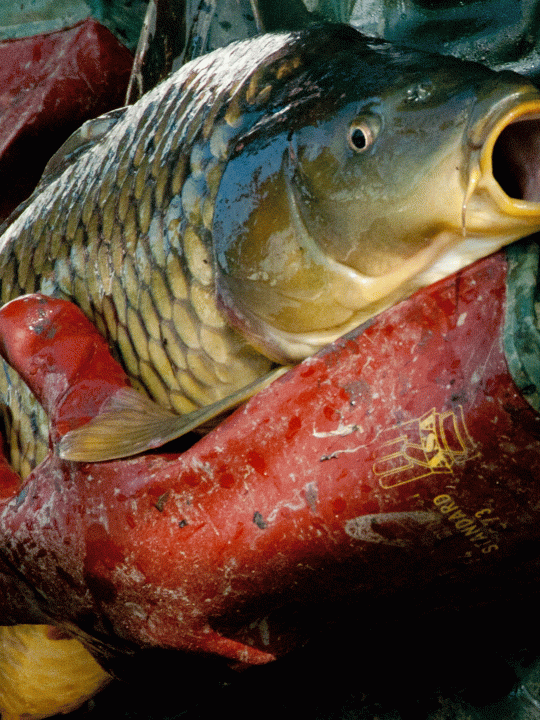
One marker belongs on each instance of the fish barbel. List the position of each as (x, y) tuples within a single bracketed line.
[(265, 199)]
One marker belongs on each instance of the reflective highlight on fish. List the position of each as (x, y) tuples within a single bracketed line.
[(259, 203)]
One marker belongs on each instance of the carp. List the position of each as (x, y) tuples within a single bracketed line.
[(256, 205), (45, 672)]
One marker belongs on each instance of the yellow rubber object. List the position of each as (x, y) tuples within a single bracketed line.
[(40, 676)]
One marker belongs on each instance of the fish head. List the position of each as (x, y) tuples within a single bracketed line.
[(376, 171)]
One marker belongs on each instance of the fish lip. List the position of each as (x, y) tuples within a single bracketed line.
[(482, 141)]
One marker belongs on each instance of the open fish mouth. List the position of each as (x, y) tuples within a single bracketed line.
[(516, 158), (510, 160)]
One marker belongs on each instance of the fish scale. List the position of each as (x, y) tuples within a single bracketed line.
[(136, 263)]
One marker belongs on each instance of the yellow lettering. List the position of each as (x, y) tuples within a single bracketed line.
[(458, 515), (474, 531), (465, 524), (448, 508), (489, 548), (442, 499)]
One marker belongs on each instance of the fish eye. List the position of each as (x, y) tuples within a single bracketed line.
[(360, 136)]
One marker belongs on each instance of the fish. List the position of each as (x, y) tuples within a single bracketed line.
[(45, 672), (259, 203)]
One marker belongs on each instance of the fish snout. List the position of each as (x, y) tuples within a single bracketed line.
[(504, 164), (516, 158)]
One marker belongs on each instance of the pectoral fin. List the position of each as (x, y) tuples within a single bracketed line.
[(129, 423)]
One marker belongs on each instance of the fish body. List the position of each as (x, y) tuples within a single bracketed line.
[(262, 201)]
